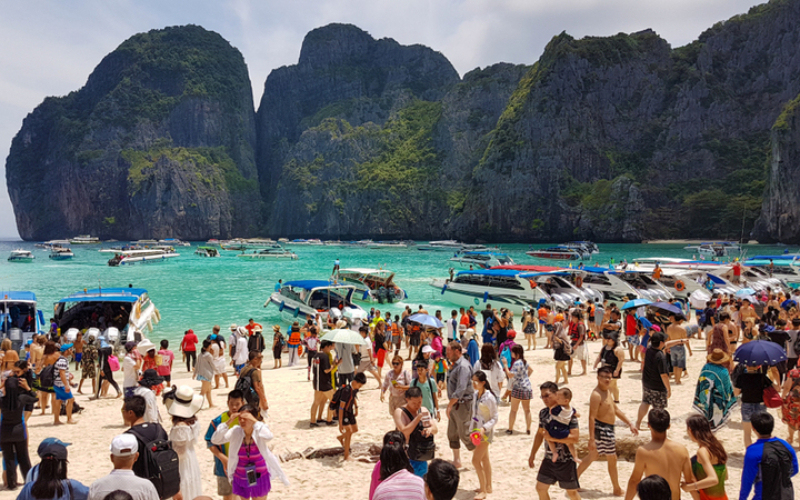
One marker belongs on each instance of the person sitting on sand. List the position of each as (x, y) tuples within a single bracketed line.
[(661, 456)]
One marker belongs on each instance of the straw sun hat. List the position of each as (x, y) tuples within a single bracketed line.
[(185, 403), (718, 357)]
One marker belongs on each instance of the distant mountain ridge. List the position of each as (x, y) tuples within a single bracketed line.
[(607, 138)]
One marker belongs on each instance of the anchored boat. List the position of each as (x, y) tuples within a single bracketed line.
[(61, 253), (307, 298), (19, 317), (150, 255), (268, 254), (372, 285), (20, 255), (127, 309)]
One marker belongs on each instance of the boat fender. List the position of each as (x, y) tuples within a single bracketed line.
[(366, 295), (157, 314), (533, 283), (680, 286), (280, 307), (444, 288), (296, 312), (485, 297), (710, 285)]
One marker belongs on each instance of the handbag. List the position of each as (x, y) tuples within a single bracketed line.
[(771, 398), (113, 363)]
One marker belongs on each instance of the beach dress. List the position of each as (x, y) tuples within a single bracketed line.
[(713, 397), (250, 457), (521, 384), (790, 411), (183, 438), (715, 492)]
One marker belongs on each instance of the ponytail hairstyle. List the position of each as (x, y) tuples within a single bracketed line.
[(520, 352), (393, 454), (50, 483), (480, 375), (701, 430)]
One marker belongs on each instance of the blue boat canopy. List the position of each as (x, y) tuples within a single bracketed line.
[(18, 296), (484, 252), (309, 284), (106, 295), (715, 279)]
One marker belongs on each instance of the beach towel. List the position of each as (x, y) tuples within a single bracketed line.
[(713, 397)]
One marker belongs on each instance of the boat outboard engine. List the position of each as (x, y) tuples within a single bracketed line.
[(382, 295), (93, 332), (71, 335), (112, 334)]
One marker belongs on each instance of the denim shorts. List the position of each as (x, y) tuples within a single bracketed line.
[(678, 356), (750, 409)]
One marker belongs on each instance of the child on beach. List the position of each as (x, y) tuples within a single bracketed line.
[(348, 410), (558, 427), (441, 368)]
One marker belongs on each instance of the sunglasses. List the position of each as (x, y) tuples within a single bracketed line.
[(395, 364)]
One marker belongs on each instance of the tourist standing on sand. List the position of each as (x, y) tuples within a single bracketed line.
[(130, 369), (774, 481), (603, 414), (49, 357), (484, 419), (611, 356), (204, 371), (677, 353), (521, 390), (416, 423), (251, 465), (124, 451), (397, 381), (183, 404), (561, 348), (294, 345), (106, 373), (52, 481), (277, 347), (708, 464), (529, 327), (88, 361), (750, 385), (189, 349), (655, 378), (713, 397), (459, 409), (661, 456), (577, 337), (323, 385), (13, 427), (490, 365), (61, 385), (563, 470), (220, 452)]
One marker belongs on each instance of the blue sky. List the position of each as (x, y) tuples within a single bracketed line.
[(49, 48)]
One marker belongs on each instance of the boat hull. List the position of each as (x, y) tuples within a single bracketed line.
[(553, 255), (478, 300), (143, 260)]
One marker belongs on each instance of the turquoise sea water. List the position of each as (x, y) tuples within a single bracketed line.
[(195, 292)]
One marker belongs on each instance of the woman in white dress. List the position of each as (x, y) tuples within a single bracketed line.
[(484, 418), (182, 403), (220, 366)]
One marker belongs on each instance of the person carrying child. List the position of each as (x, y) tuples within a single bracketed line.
[(560, 416)]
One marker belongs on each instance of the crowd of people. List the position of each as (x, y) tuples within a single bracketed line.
[(461, 373)]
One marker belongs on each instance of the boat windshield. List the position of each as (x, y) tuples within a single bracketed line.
[(93, 314), (15, 314)]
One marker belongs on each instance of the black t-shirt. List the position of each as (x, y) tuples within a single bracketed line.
[(655, 364), (322, 380), (486, 314), (348, 397), (145, 433), (752, 386), (379, 341), (780, 337)]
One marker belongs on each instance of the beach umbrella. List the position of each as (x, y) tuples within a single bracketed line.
[(745, 292), (645, 322), (345, 336), (426, 320), (667, 308), (759, 352), (788, 304), (636, 303)]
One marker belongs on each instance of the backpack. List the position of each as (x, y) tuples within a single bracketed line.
[(337, 398), (415, 383), (776, 471), (47, 376), (245, 384), (161, 466), (420, 448)]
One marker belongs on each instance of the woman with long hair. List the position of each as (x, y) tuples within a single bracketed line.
[(718, 339), (49, 357), (52, 482), (561, 348), (251, 464), (709, 464), (106, 374), (490, 365), (484, 418), (13, 424), (521, 390), (529, 327), (397, 479), (612, 356), (204, 371), (183, 404)]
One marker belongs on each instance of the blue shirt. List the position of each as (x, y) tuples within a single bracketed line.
[(80, 492), (219, 470), (751, 471)]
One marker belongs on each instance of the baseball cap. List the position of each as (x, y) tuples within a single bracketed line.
[(47, 442), (55, 450), (124, 445), (427, 348), (66, 347)]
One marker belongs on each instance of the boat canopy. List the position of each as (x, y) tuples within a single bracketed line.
[(18, 296), (311, 284), (527, 267), (377, 272), (491, 272), (715, 279), (129, 295)]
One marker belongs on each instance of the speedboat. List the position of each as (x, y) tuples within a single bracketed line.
[(312, 241), (307, 298), (563, 293), (682, 283), (61, 253), (754, 278), (268, 254), (149, 255), (375, 245), (586, 247), (47, 245), (145, 243), (19, 317), (482, 260), (20, 255), (498, 287), (207, 251), (557, 253), (715, 249), (785, 270), (449, 245), (127, 309), (605, 281), (85, 239), (372, 285), (174, 242)]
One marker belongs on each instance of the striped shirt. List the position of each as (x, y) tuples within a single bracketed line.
[(402, 485), (125, 480)]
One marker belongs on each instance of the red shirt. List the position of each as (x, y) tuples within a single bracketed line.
[(188, 343), (250, 328), (464, 320), (630, 325)]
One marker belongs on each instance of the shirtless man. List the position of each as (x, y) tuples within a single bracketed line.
[(677, 353), (733, 329), (603, 414), (662, 457), (747, 311)]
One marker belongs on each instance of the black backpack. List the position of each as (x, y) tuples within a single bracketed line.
[(245, 384), (161, 465), (420, 448), (776, 472), (337, 398), (47, 376)]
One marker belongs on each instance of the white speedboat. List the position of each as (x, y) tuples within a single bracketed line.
[(313, 241), (125, 309), (307, 298), (85, 239), (557, 253), (563, 293), (786, 270), (19, 317), (145, 243), (379, 245), (47, 245), (605, 281), (715, 249), (685, 282), (206, 251), (584, 246), (174, 242), (499, 287), (482, 260), (268, 254), (149, 255), (372, 285), (61, 253), (754, 278), (20, 255), (442, 246)]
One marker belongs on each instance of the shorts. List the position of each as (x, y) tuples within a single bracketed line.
[(415, 340), (224, 487), (348, 419), (581, 353), (364, 366), (440, 377), (167, 378), (522, 394), (78, 357), (238, 368), (605, 438), (677, 355), (750, 409), (633, 340), (62, 394), (565, 473), (420, 467), (202, 379), (656, 399)]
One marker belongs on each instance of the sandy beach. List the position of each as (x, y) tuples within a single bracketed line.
[(290, 395)]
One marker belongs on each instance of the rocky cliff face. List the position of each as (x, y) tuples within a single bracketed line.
[(160, 142)]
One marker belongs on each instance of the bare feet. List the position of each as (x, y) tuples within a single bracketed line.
[(456, 464), (58, 422), (618, 492), (71, 422), (340, 439)]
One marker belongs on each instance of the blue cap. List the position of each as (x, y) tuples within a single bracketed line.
[(47, 442), (66, 347), (29, 342)]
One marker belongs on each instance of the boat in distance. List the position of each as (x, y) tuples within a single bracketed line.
[(85, 239), (20, 255), (557, 253), (150, 255), (61, 253), (268, 254)]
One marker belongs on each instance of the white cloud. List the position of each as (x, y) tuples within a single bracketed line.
[(49, 48)]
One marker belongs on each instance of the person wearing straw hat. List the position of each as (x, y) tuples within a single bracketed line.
[(713, 397), (183, 404), (124, 452)]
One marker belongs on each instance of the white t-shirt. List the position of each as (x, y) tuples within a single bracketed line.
[(452, 325), (241, 351), (131, 377)]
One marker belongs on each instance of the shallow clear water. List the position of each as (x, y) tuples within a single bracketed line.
[(194, 292)]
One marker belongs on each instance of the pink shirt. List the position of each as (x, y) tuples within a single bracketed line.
[(402, 485), (167, 357)]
